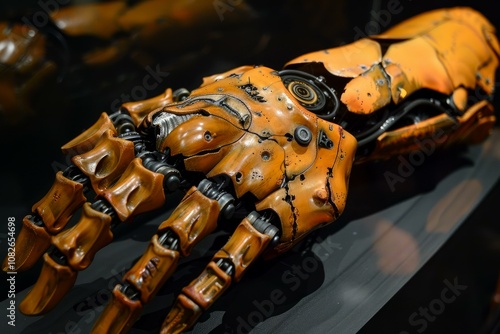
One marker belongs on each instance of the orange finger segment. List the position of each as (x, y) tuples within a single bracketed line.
[(80, 243), (122, 310), (230, 263), (59, 204), (51, 214), (194, 218), (33, 240), (152, 270), (54, 282)]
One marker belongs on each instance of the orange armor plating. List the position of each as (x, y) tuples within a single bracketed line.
[(251, 143), (282, 141), (461, 56)]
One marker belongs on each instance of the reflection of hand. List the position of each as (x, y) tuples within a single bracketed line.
[(397, 250), (451, 208)]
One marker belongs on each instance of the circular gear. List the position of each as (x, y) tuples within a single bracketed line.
[(311, 92)]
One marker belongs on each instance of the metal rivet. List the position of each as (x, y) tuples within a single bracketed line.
[(303, 135)]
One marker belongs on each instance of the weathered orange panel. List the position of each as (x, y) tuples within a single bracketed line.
[(254, 166), (348, 60), (201, 134), (411, 73), (367, 92), (459, 47)]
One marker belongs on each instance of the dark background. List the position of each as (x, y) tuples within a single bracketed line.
[(278, 31)]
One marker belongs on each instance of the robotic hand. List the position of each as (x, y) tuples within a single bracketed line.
[(276, 145)]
